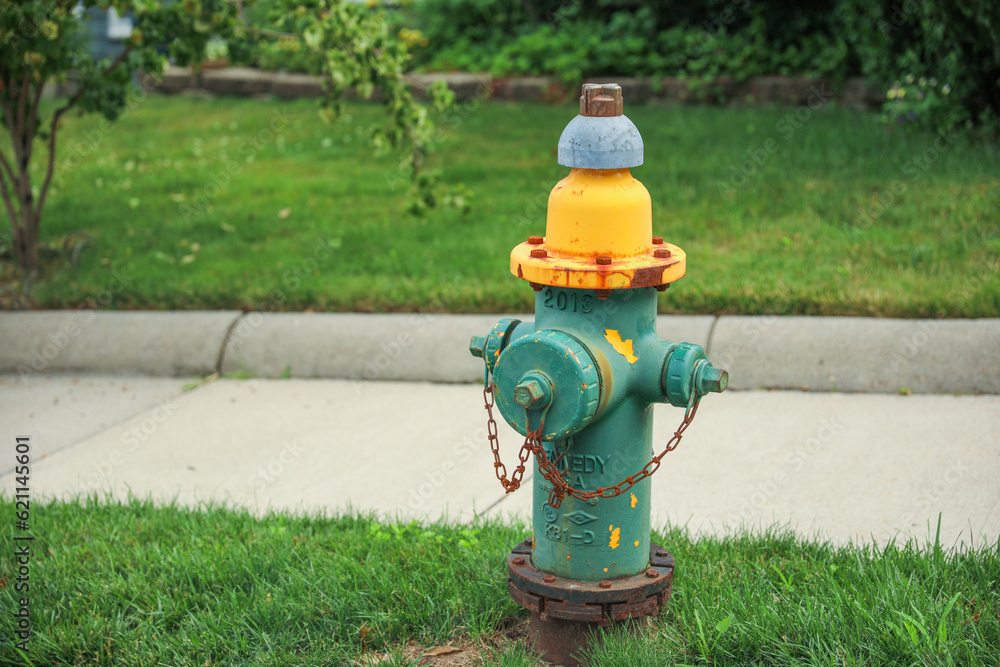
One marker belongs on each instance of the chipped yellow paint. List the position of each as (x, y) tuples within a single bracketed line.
[(568, 557), (605, 569), (615, 535), (622, 347), (637, 543), (634, 499)]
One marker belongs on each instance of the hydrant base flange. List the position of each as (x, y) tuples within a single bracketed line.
[(600, 602)]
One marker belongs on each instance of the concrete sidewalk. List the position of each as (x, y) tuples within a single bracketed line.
[(766, 352), (841, 466)]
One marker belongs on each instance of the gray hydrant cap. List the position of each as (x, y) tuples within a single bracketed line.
[(601, 137)]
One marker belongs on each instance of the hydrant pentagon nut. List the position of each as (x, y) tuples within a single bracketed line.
[(534, 392)]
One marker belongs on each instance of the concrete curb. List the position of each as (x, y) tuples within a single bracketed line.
[(145, 343), (771, 352)]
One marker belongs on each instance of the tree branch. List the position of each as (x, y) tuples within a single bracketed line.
[(6, 167), (22, 104), (9, 203), (33, 118), (50, 169)]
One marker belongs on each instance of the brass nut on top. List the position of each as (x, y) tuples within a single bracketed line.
[(539, 252), (601, 100)]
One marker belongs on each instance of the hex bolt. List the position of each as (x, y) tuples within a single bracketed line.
[(518, 561), (539, 252), (662, 288), (549, 578), (528, 542), (535, 240), (604, 583), (535, 286), (602, 294), (603, 259), (657, 240), (661, 252), (713, 379), (652, 574), (532, 392), (662, 553), (477, 345)]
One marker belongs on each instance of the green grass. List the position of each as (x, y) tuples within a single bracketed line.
[(139, 584), (842, 217)]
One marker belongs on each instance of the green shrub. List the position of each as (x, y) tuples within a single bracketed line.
[(571, 39), (904, 45)]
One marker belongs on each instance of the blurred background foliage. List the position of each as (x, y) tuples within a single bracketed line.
[(938, 61)]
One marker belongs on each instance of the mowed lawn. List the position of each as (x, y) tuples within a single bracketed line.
[(135, 583), (238, 203)]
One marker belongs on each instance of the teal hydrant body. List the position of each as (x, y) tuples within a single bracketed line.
[(608, 537), (580, 384)]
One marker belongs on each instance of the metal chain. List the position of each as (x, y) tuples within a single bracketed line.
[(560, 487)]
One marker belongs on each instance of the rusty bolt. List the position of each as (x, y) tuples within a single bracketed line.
[(657, 240), (535, 286), (662, 553), (532, 393), (549, 578), (518, 561), (601, 99), (662, 288), (602, 294), (539, 252), (527, 542), (603, 259), (659, 252), (535, 240), (604, 583), (652, 574)]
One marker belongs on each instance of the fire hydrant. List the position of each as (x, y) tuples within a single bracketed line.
[(579, 384)]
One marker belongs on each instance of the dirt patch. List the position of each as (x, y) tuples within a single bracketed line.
[(459, 651)]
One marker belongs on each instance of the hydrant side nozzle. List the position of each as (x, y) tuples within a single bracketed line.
[(688, 369)]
